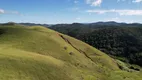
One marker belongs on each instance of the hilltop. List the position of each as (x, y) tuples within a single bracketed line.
[(38, 53)]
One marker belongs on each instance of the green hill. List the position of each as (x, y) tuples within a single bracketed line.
[(122, 41), (38, 53)]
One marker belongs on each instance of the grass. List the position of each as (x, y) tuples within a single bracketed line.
[(38, 53)]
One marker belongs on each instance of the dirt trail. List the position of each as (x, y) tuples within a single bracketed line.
[(79, 50)]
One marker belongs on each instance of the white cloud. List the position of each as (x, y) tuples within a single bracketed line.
[(76, 1), (74, 9), (9, 12), (120, 12), (2, 11), (121, 0), (13, 12), (94, 2), (78, 18), (137, 1)]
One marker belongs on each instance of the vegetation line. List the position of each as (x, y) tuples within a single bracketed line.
[(79, 50)]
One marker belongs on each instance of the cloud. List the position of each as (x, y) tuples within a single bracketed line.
[(78, 18), (137, 1), (121, 0), (76, 1), (120, 12), (2, 11), (10, 12), (94, 2), (74, 9)]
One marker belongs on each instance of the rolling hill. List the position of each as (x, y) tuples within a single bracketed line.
[(38, 53), (120, 40)]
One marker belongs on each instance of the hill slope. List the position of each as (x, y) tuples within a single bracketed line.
[(122, 41), (38, 53)]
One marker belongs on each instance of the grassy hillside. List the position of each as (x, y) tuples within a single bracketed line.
[(38, 53), (122, 41)]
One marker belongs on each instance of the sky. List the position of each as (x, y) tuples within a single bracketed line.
[(70, 11)]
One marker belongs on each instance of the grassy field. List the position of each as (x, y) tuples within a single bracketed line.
[(38, 53)]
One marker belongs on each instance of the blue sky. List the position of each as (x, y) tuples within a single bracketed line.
[(69, 11)]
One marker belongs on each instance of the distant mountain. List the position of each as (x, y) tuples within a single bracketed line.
[(120, 40), (95, 24), (34, 24), (108, 23)]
